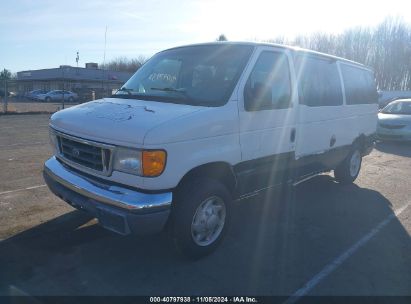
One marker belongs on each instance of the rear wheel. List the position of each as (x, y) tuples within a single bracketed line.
[(200, 217), (48, 99), (349, 169)]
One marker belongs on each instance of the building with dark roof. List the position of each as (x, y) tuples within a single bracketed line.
[(76, 79)]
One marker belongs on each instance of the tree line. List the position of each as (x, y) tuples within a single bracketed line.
[(386, 48), (124, 64)]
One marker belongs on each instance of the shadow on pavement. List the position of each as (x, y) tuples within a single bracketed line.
[(275, 244), (397, 148)]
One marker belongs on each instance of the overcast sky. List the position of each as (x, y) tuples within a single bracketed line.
[(43, 34)]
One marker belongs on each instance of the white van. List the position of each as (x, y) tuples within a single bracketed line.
[(199, 127)]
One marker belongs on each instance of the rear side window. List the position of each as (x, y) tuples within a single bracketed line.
[(268, 86), (318, 81), (359, 85)]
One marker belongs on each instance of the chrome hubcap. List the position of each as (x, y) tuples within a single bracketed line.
[(355, 163), (208, 221)]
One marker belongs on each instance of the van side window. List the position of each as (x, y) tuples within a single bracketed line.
[(359, 85), (269, 85), (318, 81)]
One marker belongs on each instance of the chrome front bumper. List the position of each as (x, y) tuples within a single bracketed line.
[(119, 209)]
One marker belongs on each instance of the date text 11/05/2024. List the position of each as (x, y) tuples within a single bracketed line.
[(203, 300)]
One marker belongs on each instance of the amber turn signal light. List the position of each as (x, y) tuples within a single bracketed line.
[(154, 162)]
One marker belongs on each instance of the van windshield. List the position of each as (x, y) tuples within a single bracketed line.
[(203, 75)]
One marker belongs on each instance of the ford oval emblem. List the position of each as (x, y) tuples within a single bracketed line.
[(75, 152)]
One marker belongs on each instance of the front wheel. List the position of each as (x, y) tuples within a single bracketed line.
[(200, 217), (349, 169)]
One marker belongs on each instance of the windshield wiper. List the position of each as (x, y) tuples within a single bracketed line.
[(182, 91), (125, 90)]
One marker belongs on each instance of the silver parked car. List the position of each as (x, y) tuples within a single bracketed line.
[(394, 121), (57, 95), (33, 94)]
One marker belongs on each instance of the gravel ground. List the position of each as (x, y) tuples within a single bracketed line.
[(25, 106)]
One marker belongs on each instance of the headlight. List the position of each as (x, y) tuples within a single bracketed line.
[(53, 141), (127, 160), (149, 163)]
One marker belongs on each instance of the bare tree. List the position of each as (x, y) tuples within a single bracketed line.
[(222, 37), (124, 64), (386, 48), (5, 74)]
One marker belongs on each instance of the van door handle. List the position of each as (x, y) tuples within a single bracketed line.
[(292, 135)]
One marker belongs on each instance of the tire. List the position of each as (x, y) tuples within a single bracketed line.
[(200, 217), (348, 170), (71, 99), (48, 99)]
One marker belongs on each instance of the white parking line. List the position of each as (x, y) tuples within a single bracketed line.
[(328, 269), (22, 189)]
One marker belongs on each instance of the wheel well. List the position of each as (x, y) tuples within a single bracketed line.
[(360, 141), (220, 171)]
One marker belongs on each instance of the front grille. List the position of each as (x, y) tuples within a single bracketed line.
[(84, 153), (392, 126)]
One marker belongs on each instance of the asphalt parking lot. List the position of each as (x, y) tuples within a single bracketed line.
[(323, 239)]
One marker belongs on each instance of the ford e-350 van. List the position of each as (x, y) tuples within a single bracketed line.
[(199, 127)]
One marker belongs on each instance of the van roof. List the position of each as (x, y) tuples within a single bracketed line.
[(294, 49)]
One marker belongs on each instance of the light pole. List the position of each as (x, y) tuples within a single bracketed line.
[(4, 75), (104, 62), (5, 95), (63, 87)]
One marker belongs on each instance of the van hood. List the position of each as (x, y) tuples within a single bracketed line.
[(117, 121)]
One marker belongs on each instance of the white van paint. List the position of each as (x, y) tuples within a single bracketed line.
[(243, 149)]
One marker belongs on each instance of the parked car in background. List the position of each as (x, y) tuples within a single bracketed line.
[(394, 121), (33, 94), (57, 95), (385, 97)]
